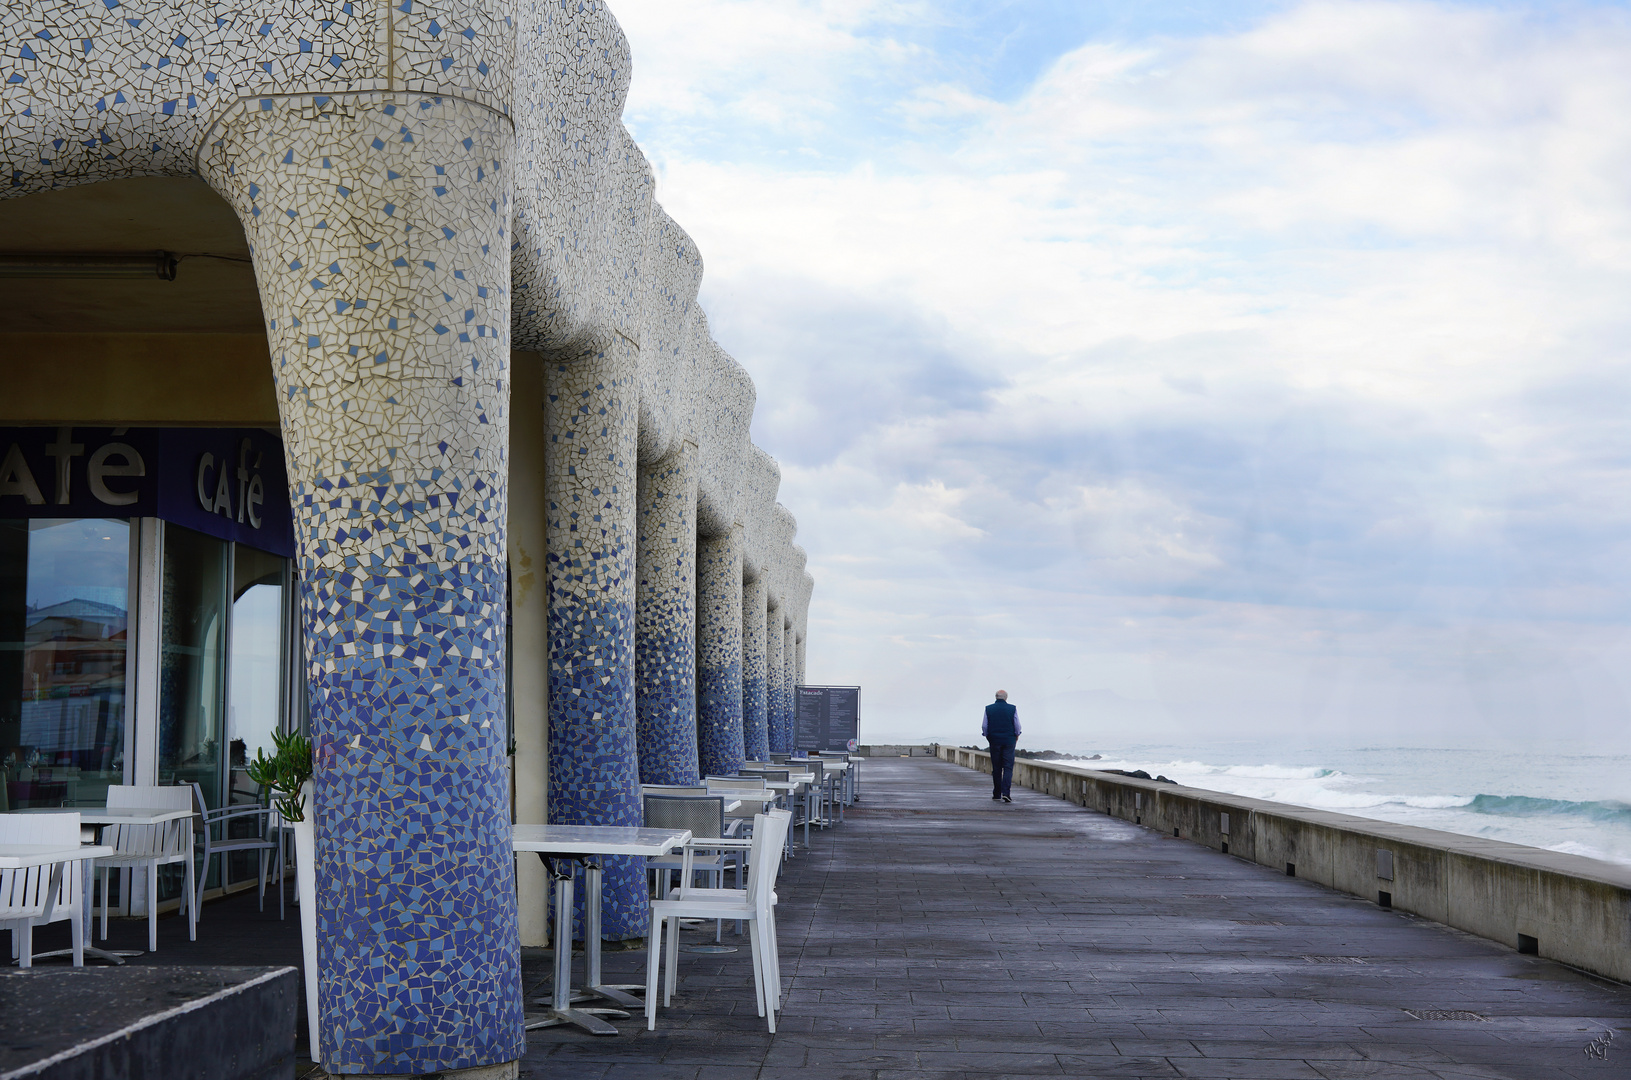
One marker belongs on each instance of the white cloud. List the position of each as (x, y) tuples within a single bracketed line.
[(1252, 375)]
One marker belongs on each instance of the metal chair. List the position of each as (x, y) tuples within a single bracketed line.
[(265, 837), (747, 790), (151, 846), (705, 818), (754, 904), (40, 895), (779, 776)]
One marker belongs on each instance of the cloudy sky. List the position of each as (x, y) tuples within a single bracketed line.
[(1192, 370)]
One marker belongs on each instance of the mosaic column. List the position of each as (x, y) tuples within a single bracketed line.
[(800, 663), (665, 619), (378, 228), (719, 653), (591, 418), (776, 695), (792, 651), (755, 676)]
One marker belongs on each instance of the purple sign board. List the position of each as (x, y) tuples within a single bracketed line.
[(226, 482)]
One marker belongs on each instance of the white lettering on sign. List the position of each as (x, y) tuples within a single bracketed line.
[(97, 470), (109, 459), (64, 450), (205, 464), (16, 478), (251, 488), (256, 496)]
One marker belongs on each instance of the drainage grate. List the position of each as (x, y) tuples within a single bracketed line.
[(1256, 922), (1445, 1014), (1336, 960), (1204, 896)]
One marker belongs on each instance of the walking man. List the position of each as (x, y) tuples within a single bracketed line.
[(1001, 729)]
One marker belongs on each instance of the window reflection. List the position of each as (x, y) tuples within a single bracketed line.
[(192, 660), (64, 589)]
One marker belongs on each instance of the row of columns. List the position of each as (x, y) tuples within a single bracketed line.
[(671, 655)]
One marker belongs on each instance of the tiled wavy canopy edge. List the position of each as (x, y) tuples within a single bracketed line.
[(427, 187)]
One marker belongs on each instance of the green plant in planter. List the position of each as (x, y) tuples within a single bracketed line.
[(285, 772)]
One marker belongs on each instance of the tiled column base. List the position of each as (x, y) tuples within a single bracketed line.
[(591, 417), (755, 675), (719, 654), (776, 694), (666, 620)]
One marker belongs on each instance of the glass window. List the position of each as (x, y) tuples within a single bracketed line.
[(254, 701), (64, 595), (192, 660)]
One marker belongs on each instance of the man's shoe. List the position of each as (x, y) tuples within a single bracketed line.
[(1006, 799), (994, 798)]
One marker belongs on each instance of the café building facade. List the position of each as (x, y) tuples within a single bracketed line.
[(352, 381)]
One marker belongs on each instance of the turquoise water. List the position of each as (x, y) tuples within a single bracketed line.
[(1572, 802)]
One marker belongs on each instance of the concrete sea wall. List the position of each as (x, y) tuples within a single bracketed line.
[(1565, 907)]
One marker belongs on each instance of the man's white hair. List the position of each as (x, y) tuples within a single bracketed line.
[(1002, 695)]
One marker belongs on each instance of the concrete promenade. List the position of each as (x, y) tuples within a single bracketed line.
[(939, 934)]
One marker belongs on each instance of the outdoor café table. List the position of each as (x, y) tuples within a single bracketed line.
[(793, 783), (94, 819), (838, 777), (558, 844), (22, 856)]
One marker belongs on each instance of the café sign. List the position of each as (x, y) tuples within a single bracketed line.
[(227, 482)]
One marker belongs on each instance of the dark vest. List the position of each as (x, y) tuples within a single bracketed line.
[(999, 722)]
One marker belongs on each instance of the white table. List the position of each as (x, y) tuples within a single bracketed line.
[(23, 856), (837, 773), (95, 819), (582, 843)]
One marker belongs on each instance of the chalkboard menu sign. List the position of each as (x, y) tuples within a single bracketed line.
[(826, 717)]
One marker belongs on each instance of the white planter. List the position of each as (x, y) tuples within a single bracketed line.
[(305, 880)]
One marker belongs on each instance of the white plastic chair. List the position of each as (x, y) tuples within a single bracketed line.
[(38, 895), (151, 846), (267, 838), (755, 905)]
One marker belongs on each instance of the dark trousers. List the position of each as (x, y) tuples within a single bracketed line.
[(1002, 768)]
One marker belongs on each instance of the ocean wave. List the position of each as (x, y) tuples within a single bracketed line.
[(1528, 806), (1570, 847), (1597, 825), (1332, 789), (1249, 772)]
